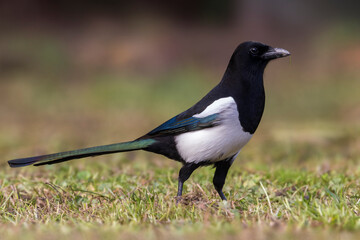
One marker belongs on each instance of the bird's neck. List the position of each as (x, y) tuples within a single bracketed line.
[(247, 88)]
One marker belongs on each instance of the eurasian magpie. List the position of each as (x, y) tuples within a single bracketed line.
[(212, 132)]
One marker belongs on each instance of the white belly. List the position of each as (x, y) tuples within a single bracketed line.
[(215, 143)]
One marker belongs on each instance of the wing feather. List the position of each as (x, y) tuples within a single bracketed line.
[(177, 126)]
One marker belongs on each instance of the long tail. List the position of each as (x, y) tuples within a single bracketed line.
[(81, 153)]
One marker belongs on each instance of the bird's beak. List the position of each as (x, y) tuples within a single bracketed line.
[(274, 53)]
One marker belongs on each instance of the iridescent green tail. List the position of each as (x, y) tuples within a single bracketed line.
[(81, 153)]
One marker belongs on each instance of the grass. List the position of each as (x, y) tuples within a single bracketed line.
[(296, 179), (132, 197)]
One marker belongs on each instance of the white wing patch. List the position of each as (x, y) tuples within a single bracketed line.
[(215, 143)]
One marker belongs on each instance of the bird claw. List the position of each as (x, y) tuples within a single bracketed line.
[(178, 199)]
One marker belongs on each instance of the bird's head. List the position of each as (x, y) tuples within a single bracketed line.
[(255, 56)]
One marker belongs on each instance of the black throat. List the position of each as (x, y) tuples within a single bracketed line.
[(245, 85)]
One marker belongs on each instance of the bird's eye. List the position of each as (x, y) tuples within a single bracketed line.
[(254, 51)]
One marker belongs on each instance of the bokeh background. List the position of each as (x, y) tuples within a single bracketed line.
[(83, 73)]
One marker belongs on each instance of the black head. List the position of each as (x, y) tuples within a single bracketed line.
[(255, 56)]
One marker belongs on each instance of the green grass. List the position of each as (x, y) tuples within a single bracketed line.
[(297, 178), (132, 197), (145, 195)]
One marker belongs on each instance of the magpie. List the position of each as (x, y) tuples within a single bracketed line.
[(211, 132)]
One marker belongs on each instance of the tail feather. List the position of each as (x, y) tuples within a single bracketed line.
[(81, 153)]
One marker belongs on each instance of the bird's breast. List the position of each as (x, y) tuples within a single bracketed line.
[(216, 143)]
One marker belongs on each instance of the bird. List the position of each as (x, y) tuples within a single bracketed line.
[(211, 132)]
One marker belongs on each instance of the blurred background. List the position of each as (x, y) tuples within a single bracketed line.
[(83, 73)]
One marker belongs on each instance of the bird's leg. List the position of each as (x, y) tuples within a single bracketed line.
[(220, 175), (184, 175)]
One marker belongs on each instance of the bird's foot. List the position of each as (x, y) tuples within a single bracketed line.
[(178, 199), (222, 196)]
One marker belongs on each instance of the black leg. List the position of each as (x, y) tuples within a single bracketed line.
[(220, 175), (184, 175)]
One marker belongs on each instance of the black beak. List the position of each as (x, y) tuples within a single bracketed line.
[(274, 53)]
